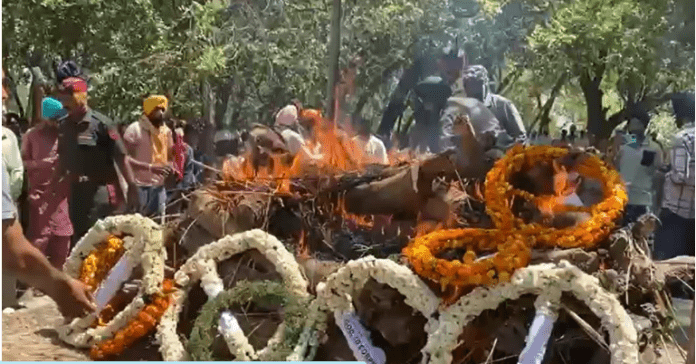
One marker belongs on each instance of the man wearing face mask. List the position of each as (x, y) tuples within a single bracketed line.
[(476, 86), (150, 146), (638, 160), (91, 155)]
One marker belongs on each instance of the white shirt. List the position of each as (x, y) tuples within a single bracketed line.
[(293, 140), (638, 176), (373, 149), (12, 158)]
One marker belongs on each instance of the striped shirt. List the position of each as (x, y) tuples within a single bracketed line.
[(679, 181)]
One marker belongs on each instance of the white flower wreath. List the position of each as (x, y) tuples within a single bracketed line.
[(202, 266), (547, 279), (146, 248), (336, 295)]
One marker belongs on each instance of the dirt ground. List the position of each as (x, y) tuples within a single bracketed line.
[(28, 334)]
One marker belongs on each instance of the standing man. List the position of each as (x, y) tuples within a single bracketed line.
[(50, 232), (150, 145), (10, 150), (675, 235), (638, 161), (476, 86), (287, 124), (372, 148), (428, 83), (92, 156), (12, 166), (21, 259)]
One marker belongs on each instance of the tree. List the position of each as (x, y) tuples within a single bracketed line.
[(624, 45)]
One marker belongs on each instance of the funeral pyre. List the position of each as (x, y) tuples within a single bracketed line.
[(445, 259)]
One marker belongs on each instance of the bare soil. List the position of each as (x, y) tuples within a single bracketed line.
[(28, 333)]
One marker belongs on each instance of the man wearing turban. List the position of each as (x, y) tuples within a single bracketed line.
[(92, 156), (150, 146), (49, 231)]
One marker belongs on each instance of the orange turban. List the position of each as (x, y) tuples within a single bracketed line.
[(311, 114), (153, 102)]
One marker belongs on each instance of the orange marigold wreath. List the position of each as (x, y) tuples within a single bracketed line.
[(512, 239), (499, 193)]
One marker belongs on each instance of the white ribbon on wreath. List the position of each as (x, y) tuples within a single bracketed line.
[(202, 266), (336, 295), (145, 249), (549, 280)]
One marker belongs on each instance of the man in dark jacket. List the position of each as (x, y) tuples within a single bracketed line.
[(93, 156), (476, 86), (428, 83)]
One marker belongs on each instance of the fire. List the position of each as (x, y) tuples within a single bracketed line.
[(334, 152), (360, 221)]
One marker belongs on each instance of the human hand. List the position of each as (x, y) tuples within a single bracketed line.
[(132, 199), (162, 170), (73, 298)]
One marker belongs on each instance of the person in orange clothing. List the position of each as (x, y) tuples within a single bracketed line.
[(150, 146)]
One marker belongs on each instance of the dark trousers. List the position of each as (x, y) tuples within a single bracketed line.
[(151, 200), (674, 237), (89, 202)]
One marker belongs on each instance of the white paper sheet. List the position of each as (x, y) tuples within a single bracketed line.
[(119, 274)]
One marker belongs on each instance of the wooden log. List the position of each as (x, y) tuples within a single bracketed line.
[(218, 221), (587, 261), (407, 191)]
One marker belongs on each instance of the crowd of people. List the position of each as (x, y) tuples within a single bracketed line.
[(79, 167)]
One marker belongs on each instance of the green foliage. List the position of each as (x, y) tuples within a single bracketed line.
[(635, 49), (663, 127)]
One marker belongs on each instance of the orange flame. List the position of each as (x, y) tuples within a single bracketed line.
[(334, 152)]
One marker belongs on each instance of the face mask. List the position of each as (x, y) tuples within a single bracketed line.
[(630, 139)]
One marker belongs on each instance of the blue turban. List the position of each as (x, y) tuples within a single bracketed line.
[(52, 109)]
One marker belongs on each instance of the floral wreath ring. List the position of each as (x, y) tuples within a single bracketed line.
[(202, 266), (499, 192), (335, 295), (295, 311), (548, 281), (146, 249), (512, 252)]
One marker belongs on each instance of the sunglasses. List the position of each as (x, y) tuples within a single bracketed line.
[(5, 82)]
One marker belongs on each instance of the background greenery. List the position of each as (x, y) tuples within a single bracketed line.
[(237, 62)]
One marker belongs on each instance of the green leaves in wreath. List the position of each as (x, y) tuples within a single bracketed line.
[(295, 311)]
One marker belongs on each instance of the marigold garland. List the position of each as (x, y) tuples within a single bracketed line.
[(100, 261), (512, 239), (512, 253), (499, 193), (144, 323)]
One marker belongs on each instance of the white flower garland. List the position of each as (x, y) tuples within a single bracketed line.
[(336, 294), (146, 248), (546, 279), (202, 266)]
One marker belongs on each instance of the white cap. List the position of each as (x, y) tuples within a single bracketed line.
[(287, 116)]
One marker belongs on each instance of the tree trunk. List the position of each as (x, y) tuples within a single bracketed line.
[(209, 117), (543, 119), (334, 53), (596, 118)]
